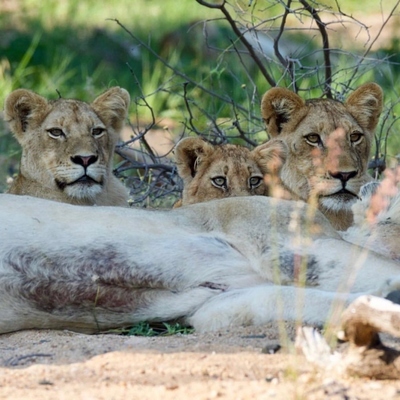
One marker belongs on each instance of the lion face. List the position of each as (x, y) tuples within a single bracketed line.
[(217, 171), (67, 145), (328, 143), (75, 131)]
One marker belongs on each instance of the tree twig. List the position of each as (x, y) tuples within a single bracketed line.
[(241, 37), (362, 59), (325, 48), (176, 71)]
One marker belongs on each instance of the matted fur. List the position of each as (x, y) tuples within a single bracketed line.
[(68, 146), (212, 172), (328, 143), (228, 262)]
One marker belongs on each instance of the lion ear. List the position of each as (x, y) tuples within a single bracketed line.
[(277, 107), (112, 107), (271, 156), (23, 107), (188, 153), (365, 104)]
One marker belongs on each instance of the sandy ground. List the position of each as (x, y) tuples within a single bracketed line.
[(232, 364)]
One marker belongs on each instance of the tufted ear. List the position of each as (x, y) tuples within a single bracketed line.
[(365, 104), (188, 153), (112, 107), (270, 156), (23, 107), (277, 107)]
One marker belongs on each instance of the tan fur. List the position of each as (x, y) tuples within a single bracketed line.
[(217, 171), (328, 143), (68, 146), (229, 262)]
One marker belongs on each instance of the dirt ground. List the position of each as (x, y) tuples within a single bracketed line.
[(231, 364)]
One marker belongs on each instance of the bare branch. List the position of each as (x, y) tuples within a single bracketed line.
[(243, 135), (356, 69), (263, 48), (153, 118), (176, 71), (241, 37), (193, 128), (281, 30), (325, 48)]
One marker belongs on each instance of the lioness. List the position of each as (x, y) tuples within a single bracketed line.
[(328, 146), (68, 146), (212, 172), (234, 261)]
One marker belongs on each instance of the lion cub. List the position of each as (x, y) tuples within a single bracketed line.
[(68, 146), (217, 171)]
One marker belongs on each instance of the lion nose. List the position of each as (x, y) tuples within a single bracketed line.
[(85, 161), (343, 176)]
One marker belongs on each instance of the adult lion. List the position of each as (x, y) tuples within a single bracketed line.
[(235, 261), (328, 143), (212, 172), (68, 146)]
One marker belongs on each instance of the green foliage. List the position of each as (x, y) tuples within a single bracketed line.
[(74, 47), (164, 329), (176, 66)]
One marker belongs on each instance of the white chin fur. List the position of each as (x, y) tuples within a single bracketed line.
[(334, 203), (83, 192)]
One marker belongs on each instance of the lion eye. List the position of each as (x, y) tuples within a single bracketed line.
[(98, 132), (219, 181), (55, 133), (255, 181), (356, 137), (313, 139)]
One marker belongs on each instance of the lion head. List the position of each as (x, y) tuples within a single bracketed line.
[(217, 171), (328, 144), (68, 146)]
